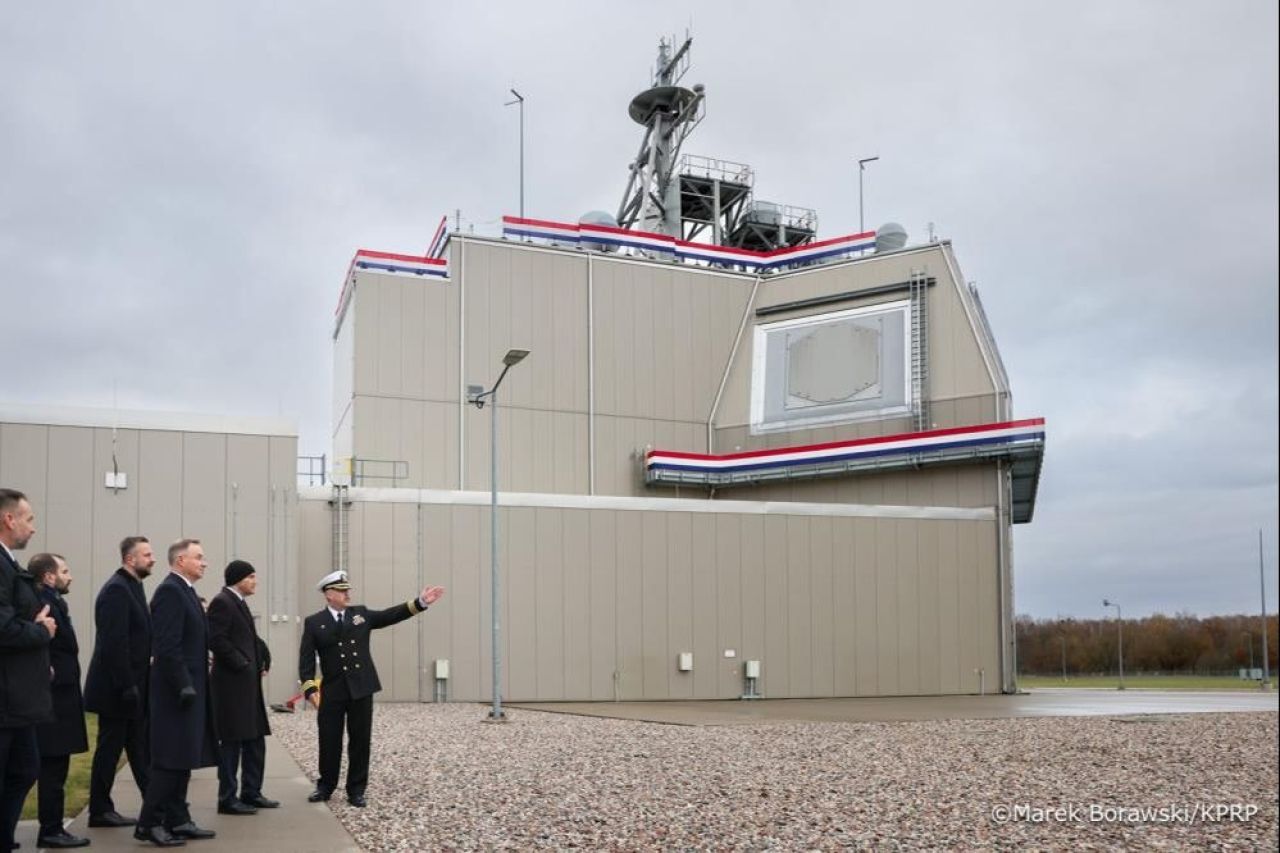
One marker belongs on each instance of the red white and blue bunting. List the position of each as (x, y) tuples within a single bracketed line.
[(683, 250), (908, 450)]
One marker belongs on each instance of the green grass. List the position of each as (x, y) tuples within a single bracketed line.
[(1138, 682), (77, 777)]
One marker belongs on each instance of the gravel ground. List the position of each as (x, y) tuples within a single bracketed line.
[(444, 780)]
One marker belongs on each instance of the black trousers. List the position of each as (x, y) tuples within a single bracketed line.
[(117, 734), (166, 799), (357, 715), (230, 754), (51, 791), (21, 766)]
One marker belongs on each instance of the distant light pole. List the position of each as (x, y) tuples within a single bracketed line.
[(1120, 634), (1266, 653), (520, 100), (477, 396), (862, 167)]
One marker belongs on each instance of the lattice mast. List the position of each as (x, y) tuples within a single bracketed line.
[(669, 113)]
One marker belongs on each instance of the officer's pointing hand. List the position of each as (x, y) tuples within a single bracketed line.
[(432, 594)]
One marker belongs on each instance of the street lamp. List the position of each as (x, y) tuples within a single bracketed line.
[(520, 100), (1120, 634), (862, 167), (477, 396)]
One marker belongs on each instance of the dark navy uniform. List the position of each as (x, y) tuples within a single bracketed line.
[(349, 680)]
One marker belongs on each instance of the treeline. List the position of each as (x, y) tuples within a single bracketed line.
[(1183, 643)]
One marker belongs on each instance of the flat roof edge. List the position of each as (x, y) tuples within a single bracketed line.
[(82, 416)]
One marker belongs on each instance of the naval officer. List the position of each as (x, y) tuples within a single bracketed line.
[(339, 636)]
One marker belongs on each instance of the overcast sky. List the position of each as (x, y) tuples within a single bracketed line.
[(182, 188)]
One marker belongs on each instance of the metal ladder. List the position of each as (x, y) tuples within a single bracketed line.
[(919, 288)]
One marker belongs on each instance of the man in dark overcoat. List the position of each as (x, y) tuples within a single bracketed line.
[(182, 737), (239, 710), (25, 631), (339, 636), (65, 735), (119, 678)]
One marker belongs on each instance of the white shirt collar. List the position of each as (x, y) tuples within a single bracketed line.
[(336, 614), (235, 592), (183, 578)]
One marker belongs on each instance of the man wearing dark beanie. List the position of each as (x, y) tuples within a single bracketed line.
[(240, 659)]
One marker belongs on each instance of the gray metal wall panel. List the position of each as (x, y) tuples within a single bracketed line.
[(908, 627), (968, 608), (929, 619), (656, 666), (844, 611), (755, 566), (206, 509), (888, 662), (68, 524), (728, 570), (949, 615), (866, 601), (822, 597), (706, 632), (799, 600), (468, 648), (775, 665), (518, 553), (679, 604), (404, 682), (578, 614), (630, 615), (604, 604), (550, 594)]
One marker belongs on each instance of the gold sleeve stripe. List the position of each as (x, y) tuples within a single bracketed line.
[(309, 685), (414, 607)]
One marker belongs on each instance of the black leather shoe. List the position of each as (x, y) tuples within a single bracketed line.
[(319, 795), (260, 802), (357, 800), (190, 830), (61, 840), (110, 819), (158, 835), (236, 807)]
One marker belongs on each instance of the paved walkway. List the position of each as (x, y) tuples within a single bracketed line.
[(1037, 703), (296, 826)]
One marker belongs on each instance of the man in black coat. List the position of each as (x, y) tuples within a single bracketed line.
[(65, 735), (339, 635), (182, 736), (117, 684), (239, 712), (25, 631)]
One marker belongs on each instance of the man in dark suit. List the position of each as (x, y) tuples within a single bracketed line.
[(339, 635), (182, 736), (66, 735), (25, 631), (239, 711), (117, 684)]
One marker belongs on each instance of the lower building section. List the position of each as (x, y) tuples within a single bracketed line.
[(606, 598)]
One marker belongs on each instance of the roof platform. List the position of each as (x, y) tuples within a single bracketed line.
[(1019, 443), (712, 193), (765, 227)]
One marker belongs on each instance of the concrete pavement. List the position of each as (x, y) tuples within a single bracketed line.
[(296, 826), (1037, 703)]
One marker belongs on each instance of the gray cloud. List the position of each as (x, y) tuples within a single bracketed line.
[(184, 187)]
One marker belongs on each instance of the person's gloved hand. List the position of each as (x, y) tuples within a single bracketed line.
[(131, 699), (186, 696)]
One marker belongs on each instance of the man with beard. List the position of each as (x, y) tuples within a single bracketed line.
[(65, 736), (25, 631), (182, 736), (116, 687)]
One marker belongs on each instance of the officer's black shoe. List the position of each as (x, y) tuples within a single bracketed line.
[(190, 830), (157, 835), (357, 800), (260, 802), (61, 840), (319, 795), (236, 807), (110, 819)]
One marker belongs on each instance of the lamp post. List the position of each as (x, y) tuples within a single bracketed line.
[(477, 396), (1120, 634), (1266, 652), (520, 100), (1064, 657), (862, 167)]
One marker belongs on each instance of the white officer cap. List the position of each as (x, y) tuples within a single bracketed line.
[(334, 580)]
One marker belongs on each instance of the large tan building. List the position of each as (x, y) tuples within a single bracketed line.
[(877, 564)]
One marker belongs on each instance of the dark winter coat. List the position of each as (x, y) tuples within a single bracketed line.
[(182, 736), (121, 650), (239, 711), (24, 650), (66, 734)]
